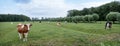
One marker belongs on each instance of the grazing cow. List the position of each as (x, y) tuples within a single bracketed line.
[(58, 24), (108, 25), (23, 30)]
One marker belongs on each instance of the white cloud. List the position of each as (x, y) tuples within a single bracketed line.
[(53, 8), (47, 8), (90, 4), (94, 4)]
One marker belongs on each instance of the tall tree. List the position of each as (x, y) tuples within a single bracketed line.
[(118, 17), (73, 13), (112, 16), (95, 17)]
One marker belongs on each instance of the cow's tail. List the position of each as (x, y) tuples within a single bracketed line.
[(23, 35)]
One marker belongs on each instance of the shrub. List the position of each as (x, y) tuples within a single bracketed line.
[(118, 17), (95, 17), (112, 16)]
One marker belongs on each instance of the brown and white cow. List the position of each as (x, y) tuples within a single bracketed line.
[(58, 24), (23, 30)]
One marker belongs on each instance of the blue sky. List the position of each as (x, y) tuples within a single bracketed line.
[(46, 8)]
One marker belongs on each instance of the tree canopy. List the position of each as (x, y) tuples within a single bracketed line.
[(13, 17), (113, 16)]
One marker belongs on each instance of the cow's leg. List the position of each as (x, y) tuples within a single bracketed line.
[(110, 27), (23, 36), (20, 35), (107, 27), (26, 34)]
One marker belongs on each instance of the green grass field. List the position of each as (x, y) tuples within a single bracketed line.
[(69, 34)]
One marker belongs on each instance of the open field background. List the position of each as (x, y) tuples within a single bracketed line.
[(69, 34)]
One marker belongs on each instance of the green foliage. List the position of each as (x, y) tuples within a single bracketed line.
[(81, 18), (118, 17), (68, 19), (95, 17), (13, 17), (74, 19), (88, 18), (102, 10), (112, 16), (73, 12), (77, 19)]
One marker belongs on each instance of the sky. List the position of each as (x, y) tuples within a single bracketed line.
[(46, 8)]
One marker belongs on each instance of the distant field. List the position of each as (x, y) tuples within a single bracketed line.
[(69, 34)]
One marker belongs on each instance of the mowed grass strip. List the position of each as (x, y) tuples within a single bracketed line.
[(69, 34)]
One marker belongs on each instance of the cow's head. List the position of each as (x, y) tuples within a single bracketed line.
[(28, 26)]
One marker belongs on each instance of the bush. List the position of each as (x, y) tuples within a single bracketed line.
[(88, 18), (68, 19), (118, 17), (95, 17), (112, 16), (83, 18)]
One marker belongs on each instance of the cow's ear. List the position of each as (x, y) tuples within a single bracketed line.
[(25, 25)]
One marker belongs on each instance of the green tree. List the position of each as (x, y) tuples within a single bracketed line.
[(83, 18), (102, 10), (76, 19), (95, 17), (112, 16), (14, 17), (90, 18), (86, 18), (118, 17), (73, 12)]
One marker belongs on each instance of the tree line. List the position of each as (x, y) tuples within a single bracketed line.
[(87, 18), (112, 16), (102, 10), (13, 17)]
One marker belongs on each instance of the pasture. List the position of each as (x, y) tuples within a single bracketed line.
[(68, 34)]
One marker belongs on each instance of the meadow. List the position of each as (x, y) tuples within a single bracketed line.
[(68, 34)]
